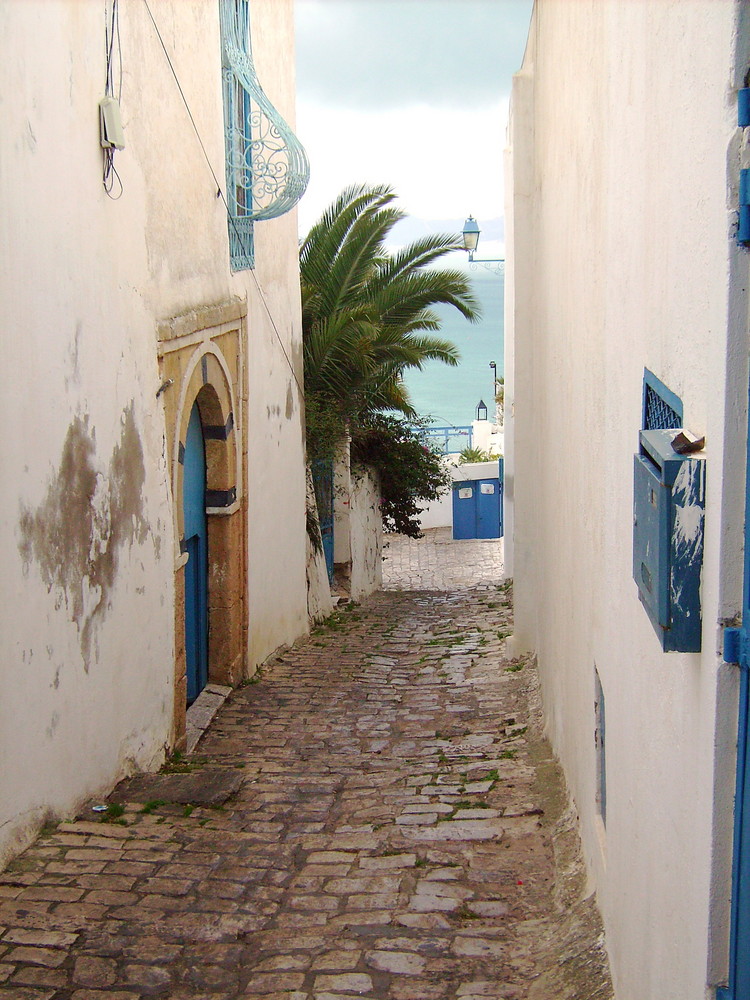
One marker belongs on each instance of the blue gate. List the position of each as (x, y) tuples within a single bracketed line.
[(196, 568), (322, 473), (478, 507)]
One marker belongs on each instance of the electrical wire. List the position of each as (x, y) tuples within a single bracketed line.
[(281, 343), (220, 194), (112, 33), (111, 175)]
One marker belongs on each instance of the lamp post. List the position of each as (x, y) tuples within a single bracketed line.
[(470, 234), (493, 366), (481, 410)]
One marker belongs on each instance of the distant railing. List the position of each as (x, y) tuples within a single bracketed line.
[(448, 439)]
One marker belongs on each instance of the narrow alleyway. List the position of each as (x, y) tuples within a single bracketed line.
[(376, 816)]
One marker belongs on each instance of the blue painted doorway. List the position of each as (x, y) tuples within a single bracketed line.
[(322, 473), (737, 650), (196, 568)]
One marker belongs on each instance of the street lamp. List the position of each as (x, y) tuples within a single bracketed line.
[(481, 410), (470, 234), (493, 366)]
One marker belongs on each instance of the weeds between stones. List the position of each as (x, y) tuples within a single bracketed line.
[(113, 814), (152, 805)]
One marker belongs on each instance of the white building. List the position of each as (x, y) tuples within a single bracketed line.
[(625, 278), (153, 466)]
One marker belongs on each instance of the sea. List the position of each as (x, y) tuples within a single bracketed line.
[(448, 395)]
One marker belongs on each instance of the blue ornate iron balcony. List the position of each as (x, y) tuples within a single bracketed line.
[(266, 166)]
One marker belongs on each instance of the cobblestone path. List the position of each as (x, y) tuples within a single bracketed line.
[(437, 562), (391, 836)]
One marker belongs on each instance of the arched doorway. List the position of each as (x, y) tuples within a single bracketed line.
[(196, 547), (205, 418)]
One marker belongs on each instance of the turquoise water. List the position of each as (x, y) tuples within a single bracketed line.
[(450, 395)]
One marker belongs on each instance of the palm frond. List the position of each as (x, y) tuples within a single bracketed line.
[(368, 315)]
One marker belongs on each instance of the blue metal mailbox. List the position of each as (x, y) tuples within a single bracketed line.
[(668, 514)]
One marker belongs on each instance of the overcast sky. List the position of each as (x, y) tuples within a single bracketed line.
[(411, 93)]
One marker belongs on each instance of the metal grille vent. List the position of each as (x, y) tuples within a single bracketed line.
[(659, 415)]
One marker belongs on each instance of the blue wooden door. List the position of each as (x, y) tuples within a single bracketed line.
[(488, 508), (196, 568), (464, 510), (322, 473), (501, 485), (737, 650)]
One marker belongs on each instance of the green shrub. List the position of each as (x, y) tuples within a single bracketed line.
[(410, 471)]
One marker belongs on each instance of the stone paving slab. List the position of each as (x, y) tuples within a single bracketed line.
[(205, 786), (437, 562), (392, 835)]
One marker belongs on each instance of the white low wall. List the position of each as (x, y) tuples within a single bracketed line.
[(366, 535), (357, 529), (439, 514)]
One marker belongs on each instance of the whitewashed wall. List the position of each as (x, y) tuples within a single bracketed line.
[(276, 478), (623, 160), (366, 525), (438, 513), (86, 540), (357, 528)]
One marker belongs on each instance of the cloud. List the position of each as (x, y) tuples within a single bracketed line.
[(384, 54), (442, 163)]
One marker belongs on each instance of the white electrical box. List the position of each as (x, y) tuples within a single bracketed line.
[(110, 123)]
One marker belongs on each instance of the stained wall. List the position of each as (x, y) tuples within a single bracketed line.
[(623, 161), (91, 579)]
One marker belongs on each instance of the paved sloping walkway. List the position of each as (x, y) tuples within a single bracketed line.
[(437, 562), (390, 833)]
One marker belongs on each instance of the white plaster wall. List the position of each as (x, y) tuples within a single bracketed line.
[(621, 136), (474, 471), (366, 539), (488, 436), (86, 682), (342, 498), (357, 527), (85, 693), (180, 193), (276, 479), (438, 514)]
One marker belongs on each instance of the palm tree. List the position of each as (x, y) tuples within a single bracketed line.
[(367, 314), (366, 317)]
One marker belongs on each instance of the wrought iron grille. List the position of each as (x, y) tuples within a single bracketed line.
[(659, 415), (267, 168)]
